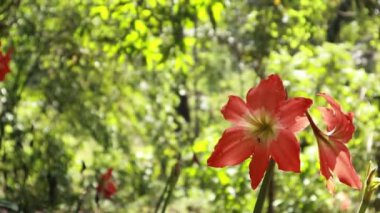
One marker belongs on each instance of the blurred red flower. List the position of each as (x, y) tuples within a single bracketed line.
[(334, 156), (264, 127), (106, 185), (4, 63), (344, 202)]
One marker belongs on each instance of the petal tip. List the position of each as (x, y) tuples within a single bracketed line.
[(254, 185), (211, 162)]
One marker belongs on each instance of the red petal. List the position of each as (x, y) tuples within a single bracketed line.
[(327, 159), (258, 165), (235, 109), (107, 175), (329, 117), (286, 151), (110, 189), (292, 113), (4, 64), (344, 131), (233, 148), (336, 158), (268, 94), (331, 101), (339, 123)]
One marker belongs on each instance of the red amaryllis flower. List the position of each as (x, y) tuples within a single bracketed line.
[(4, 63), (106, 186), (264, 127), (334, 156)]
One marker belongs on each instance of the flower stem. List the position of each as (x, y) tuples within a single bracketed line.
[(264, 188), (314, 127), (363, 206), (370, 186), (365, 198)]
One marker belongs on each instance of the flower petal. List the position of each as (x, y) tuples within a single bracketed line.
[(330, 100), (106, 186), (107, 175), (268, 94), (233, 148), (292, 113), (235, 109), (258, 165), (4, 64), (344, 131), (329, 117), (109, 189), (286, 151), (339, 124), (336, 158), (327, 160)]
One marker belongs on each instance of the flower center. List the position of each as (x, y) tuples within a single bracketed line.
[(262, 125)]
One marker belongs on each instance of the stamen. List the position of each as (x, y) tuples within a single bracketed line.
[(262, 126)]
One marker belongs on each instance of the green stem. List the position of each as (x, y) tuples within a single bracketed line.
[(162, 197), (363, 206), (366, 198), (264, 188)]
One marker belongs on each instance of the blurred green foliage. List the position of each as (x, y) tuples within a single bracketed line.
[(138, 85)]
